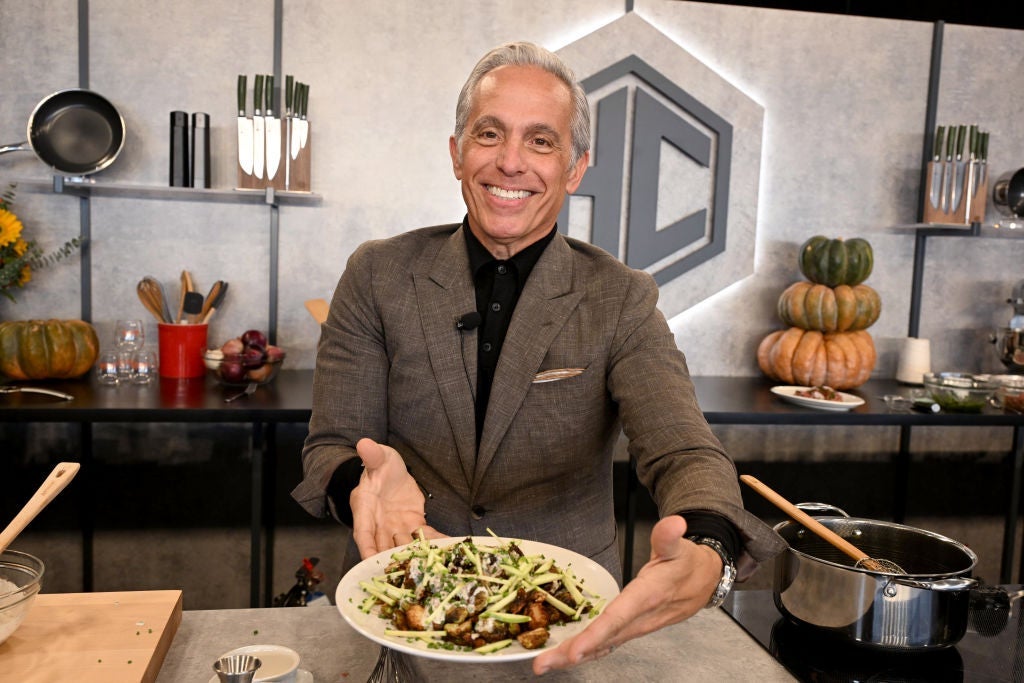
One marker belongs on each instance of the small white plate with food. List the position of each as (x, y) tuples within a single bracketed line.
[(822, 398)]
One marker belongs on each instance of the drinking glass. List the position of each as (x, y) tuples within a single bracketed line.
[(124, 365), (144, 366), (129, 335), (106, 368)]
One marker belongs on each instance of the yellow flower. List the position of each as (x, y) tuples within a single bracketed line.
[(10, 227)]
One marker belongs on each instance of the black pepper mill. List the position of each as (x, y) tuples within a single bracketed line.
[(200, 150), (179, 149)]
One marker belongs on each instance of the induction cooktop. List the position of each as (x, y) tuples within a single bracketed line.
[(992, 651)]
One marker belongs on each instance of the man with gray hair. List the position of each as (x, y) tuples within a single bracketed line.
[(477, 376)]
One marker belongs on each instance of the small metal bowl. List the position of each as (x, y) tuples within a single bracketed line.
[(21, 577), (958, 392)]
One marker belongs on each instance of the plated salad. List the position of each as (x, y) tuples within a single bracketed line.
[(476, 597)]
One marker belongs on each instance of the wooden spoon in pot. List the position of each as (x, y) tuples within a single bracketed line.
[(60, 477), (823, 532)]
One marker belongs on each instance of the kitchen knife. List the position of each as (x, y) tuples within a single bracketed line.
[(947, 171), (273, 125), (972, 167), (958, 182), (289, 89), (296, 141), (244, 129), (983, 156), (303, 121), (935, 169), (258, 131)]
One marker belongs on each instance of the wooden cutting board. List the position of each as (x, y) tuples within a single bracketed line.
[(92, 637)]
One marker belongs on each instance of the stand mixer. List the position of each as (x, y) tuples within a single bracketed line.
[(1009, 340)]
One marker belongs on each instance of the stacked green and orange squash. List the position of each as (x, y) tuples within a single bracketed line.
[(826, 343)]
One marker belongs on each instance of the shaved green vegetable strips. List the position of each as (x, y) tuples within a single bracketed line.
[(481, 583)]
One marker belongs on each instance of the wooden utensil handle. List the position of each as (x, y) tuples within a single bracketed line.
[(800, 516), (60, 477)]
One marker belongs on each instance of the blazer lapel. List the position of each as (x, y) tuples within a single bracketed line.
[(444, 292), (543, 308)]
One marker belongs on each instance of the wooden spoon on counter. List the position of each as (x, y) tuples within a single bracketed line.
[(60, 477), (823, 532)]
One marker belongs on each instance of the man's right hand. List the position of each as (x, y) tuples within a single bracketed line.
[(387, 505)]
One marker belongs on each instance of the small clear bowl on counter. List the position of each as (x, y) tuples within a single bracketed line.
[(21, 577), (958, 392), (239, 370), (1009, 392)]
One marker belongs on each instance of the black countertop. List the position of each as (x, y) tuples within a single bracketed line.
[(724, 400), (992, 651), (287, 399)]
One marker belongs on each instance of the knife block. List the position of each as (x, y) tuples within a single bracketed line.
[(971, 207), (292, 175)]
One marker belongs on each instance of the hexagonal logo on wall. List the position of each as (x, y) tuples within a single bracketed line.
[(676, 151)]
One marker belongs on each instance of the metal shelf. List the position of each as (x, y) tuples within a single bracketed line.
[(85, 189), (1009, 228), (90, 188)]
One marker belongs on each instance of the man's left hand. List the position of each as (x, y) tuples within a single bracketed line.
[(674, 585)]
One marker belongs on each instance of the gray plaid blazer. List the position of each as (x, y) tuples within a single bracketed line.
[(392, 366)]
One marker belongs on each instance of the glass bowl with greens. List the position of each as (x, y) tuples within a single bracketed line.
[(958, 392)]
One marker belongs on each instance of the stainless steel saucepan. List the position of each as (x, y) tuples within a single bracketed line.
[(927, 609)]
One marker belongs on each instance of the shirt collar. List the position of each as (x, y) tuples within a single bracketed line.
[(524, 260)]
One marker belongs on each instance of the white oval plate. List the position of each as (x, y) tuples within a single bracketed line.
[(788, 393), (349, 596)]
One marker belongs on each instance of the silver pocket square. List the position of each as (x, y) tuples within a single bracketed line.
[(556, 374)]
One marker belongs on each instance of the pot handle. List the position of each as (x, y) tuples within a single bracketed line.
[(951, 585), (822, 509), (15, 147)]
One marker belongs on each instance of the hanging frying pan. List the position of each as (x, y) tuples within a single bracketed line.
[(75, 132)]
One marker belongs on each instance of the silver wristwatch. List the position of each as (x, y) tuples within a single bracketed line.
[(728, 570)]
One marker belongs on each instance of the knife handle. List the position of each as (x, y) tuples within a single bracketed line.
[(961, 134), (242, 89), (257, 95), (269, 89), (983, 146), (950, 143), (289, 87), (305, 99), (940, 133)]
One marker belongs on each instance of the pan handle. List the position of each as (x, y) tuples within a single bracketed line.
[(822, 509), (951, 584), (15, 147)]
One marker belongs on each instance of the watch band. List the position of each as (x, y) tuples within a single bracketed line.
[(728, 570)]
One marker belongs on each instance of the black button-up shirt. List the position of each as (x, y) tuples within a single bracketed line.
[(498, 284)]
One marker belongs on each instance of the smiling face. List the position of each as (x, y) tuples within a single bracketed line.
[(514, 157)]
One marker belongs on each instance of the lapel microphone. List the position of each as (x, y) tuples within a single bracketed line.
[(468, 321)]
